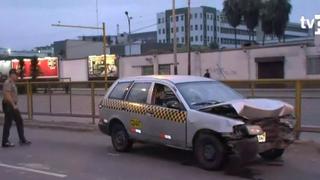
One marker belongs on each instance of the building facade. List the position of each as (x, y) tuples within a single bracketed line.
[(208, 25)]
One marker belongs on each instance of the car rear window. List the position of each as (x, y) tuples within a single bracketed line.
[(139, 92), (120, 90)]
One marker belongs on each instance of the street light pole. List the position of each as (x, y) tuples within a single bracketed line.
[(174, 37), (188, 37), (103, 28), (129, 36)]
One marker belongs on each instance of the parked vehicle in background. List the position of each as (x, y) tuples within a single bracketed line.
[(197, 114)]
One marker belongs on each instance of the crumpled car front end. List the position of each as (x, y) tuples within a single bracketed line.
[(274, 117)]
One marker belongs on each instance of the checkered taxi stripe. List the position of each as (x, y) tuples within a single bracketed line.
[(156, 111)]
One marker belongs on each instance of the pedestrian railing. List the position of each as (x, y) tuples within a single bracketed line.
[(81, 99)]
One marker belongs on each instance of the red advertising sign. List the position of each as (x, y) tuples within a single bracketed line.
[(48, 67)]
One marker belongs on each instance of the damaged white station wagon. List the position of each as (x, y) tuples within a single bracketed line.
[(195, 113)]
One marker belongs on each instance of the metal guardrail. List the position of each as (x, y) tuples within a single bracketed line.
[(89, 89)]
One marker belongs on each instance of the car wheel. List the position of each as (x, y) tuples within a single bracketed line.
[(120, 138), (272, 154), (209, 152)]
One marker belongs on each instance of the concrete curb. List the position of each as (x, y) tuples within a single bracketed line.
[(69, 126)]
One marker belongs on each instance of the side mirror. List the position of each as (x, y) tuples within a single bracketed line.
[(174, 105)]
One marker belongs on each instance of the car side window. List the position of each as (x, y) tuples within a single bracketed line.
[(120, 90), (139, 93), (162, 95)]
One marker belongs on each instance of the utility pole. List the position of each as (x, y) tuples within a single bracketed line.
[(174, 37), (129, 36), (188, 39), (103, 28)]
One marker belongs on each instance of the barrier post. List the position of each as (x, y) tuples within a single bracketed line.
[(298, 109), (29, 100), (93, 110), (252, 87)]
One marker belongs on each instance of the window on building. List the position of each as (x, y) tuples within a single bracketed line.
[(170, 18), (195, 15), (201, 27), (208, 38), (146, 70), (159, 20), (181, 17), (211, 17), (208, 28), (177, 18), (162, 20), (159, 31), (208, 16), (191, 38), (171, 30), (182, 39), (211, 28), (196, 27), (182, 28), (163, 31), (211, 39), (164, 41), (139, 92), (200, 15), (178, 40), (196, 38), (313, 65), (120, 91), (164, 69), (191, 28)]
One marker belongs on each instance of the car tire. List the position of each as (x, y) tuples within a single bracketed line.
[(120, 138), (272, 154), (209, 152)]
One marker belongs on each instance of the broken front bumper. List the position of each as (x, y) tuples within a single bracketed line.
[(246, 149)]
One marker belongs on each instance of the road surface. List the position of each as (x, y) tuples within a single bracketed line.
[(56, 155)]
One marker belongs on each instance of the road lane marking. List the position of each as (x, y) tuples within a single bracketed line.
[(33, 170)]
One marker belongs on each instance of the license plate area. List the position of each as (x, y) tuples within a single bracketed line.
[(262, 137)]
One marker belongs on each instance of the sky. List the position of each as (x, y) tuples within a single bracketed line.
[(26, 24)]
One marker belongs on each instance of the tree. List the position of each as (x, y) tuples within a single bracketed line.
[(251, 12), (232, 11), (35, 69), (275, 17), (214, 45), (283, 10), (21, 69)]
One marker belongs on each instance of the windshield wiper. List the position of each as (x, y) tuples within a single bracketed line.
[(210, 102)]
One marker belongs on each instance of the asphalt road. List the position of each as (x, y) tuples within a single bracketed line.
[(58, 155)]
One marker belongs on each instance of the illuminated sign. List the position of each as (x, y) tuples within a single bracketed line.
[(96, 66), (48, 67)]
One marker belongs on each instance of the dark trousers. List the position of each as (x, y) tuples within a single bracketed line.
[(11, 114)]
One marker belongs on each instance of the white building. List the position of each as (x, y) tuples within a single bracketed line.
[(208, 25), (282, 61)]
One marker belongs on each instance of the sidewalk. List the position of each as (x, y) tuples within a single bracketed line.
[(64, 125)]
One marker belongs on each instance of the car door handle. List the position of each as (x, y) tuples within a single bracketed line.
[(150, 112)]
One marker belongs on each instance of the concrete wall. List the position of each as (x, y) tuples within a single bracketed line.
[(77, 70), (237, 64)]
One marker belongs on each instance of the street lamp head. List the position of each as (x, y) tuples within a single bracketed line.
[(126, 13)]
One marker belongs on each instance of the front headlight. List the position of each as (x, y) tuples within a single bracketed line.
[(254, 130)]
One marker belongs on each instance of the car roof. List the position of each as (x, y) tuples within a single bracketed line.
[(171, 78)]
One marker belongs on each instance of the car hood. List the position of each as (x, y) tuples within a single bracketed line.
[(256, 108)]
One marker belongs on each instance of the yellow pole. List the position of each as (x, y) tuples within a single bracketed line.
[(93, 110), (298, 109), (104, 55), (252, 87)]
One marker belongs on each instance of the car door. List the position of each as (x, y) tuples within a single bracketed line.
[(168, 124), (135, 109)]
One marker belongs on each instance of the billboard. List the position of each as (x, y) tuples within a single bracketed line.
[(96, 66), (48, 67), (5, 66)]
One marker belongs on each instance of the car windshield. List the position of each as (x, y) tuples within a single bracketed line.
[(206, 93)]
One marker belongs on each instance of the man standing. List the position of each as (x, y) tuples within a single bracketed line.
[(207, 74), (11, 111)]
